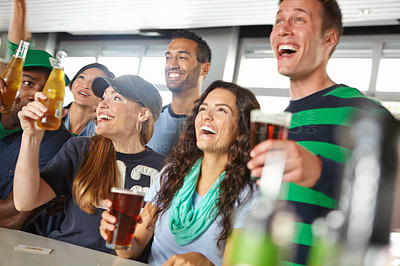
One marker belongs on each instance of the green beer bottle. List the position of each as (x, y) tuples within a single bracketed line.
[(266, 238)]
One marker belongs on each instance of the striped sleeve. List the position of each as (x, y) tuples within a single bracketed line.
[(320, 123)]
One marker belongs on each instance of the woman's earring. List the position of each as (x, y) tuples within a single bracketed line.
[(138, 126)]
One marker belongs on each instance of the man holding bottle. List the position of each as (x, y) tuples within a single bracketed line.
[(36, 70)]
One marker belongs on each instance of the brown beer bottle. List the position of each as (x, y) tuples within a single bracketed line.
[(12, 76), (54, 90)]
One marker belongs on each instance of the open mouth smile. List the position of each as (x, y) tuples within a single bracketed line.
[(287, 49), (174, 75), (207, 130), (103, 117), (84, 94)]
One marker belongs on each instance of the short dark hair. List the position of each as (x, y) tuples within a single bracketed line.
[(45, 70), (331, 16), (93, 65), (203, 50)]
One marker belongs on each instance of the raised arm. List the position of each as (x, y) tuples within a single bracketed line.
[(30, 191), (17, 29)]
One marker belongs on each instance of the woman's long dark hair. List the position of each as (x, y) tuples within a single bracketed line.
[(185, 153)]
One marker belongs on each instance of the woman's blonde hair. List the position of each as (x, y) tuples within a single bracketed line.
[(147, 130), (98, 173)]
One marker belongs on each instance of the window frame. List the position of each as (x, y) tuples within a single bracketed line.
[(377, 54), (98, 46)]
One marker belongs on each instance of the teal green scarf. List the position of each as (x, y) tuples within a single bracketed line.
[(186, 222)]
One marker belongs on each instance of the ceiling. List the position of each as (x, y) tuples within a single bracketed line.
[(130, 16)]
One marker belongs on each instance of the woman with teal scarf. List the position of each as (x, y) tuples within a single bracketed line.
[(205, 192)]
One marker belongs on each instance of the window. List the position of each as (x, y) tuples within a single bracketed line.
[(78, 56), (388, 74), (393, 107), (152, 66), (368, 63), (166, 97), (261, 72), (121, 65), (121, 57), (354, 72), (73, 64), (273, 104), (258, 68), (351, 64)]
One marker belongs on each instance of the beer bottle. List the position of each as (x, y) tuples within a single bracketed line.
[(12, 76), (266, 238), (271, 224), (54, 90)]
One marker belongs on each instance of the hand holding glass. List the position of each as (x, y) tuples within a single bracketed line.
[(126, 206)]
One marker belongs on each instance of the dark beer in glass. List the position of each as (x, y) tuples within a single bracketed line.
[(265, 126), (126, 208)]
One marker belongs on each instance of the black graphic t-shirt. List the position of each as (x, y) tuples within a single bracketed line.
[(137, 172)]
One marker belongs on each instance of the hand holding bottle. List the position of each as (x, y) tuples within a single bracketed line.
[(11, 78), (3, 90), (31, 113), (54, 90)]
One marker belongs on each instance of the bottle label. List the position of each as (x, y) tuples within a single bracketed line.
[(59, 108), (53, 61)]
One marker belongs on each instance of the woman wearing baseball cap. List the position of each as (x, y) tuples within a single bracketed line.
[(204, 193), (86, 169)]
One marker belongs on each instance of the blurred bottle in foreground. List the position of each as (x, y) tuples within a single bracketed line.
[(12, 76), (54, 90), (266, 238), (270, 228), (358, 233)]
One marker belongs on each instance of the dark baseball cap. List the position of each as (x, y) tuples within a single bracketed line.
[(40, 58), (133, 88)]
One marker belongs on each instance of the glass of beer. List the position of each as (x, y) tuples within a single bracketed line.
[(126, 207), (265, 126)]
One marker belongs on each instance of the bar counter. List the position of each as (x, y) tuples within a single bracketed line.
[(63, 254)]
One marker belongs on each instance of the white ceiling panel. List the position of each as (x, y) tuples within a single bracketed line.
[(130, 16)]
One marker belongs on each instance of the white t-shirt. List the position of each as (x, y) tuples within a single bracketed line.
[(164, 245)]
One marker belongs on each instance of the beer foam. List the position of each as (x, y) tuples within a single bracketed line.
[(126, 191), (281, 119)]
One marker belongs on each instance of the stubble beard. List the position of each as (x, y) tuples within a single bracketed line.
[(191, 81), (177, 88)]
